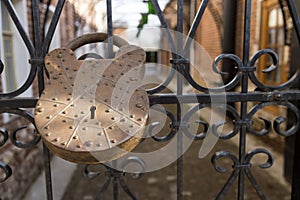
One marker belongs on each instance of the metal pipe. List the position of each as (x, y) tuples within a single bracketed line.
[(229, 30)]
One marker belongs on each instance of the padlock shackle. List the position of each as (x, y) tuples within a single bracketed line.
[(94, 38)]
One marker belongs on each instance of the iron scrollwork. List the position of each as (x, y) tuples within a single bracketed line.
[(13, 136), (167, 136), (269, 69), (244, 167), (179, 125), (277, 122), (116, 177), (6, 135), (6, 170)]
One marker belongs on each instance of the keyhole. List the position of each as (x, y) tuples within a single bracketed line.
[(92, 109)]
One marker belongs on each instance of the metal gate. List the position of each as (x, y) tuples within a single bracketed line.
[(242, 118)]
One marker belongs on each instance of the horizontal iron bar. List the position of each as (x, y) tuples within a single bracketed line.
[(290, 95), (18, 103)]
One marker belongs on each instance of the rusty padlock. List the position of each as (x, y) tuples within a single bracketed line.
[(93, 111)]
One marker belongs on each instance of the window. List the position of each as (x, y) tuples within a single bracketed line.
[(13, 51), (8, 60), (273, 37)]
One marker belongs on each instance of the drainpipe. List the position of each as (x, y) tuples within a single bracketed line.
[(228, 45)]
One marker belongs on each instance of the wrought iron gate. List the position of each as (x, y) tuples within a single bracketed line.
[(242, 119)]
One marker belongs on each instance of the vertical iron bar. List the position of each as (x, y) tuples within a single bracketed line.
[(115, 187), (179, 92), (246, 51), (48, 178), (109, 28), (115, 180), (36, 26), (179, 45), (247, 26), (41, 52), (228, 44), (110, 55), (38, 52), (47, 159), (41, 86), (296, 174), (179, 143)]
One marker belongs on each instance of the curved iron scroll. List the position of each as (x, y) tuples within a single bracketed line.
[(180, 122)]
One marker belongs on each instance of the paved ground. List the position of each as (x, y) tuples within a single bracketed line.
[(201, 181), (62, 172)]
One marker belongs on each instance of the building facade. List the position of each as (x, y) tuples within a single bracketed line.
[(221, 31)]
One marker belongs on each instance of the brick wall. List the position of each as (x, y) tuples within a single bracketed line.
[(255, 21), (67, 23), (209, 34), (26, 164)]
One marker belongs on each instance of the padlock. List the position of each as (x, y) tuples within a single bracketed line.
[(93, 111)]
